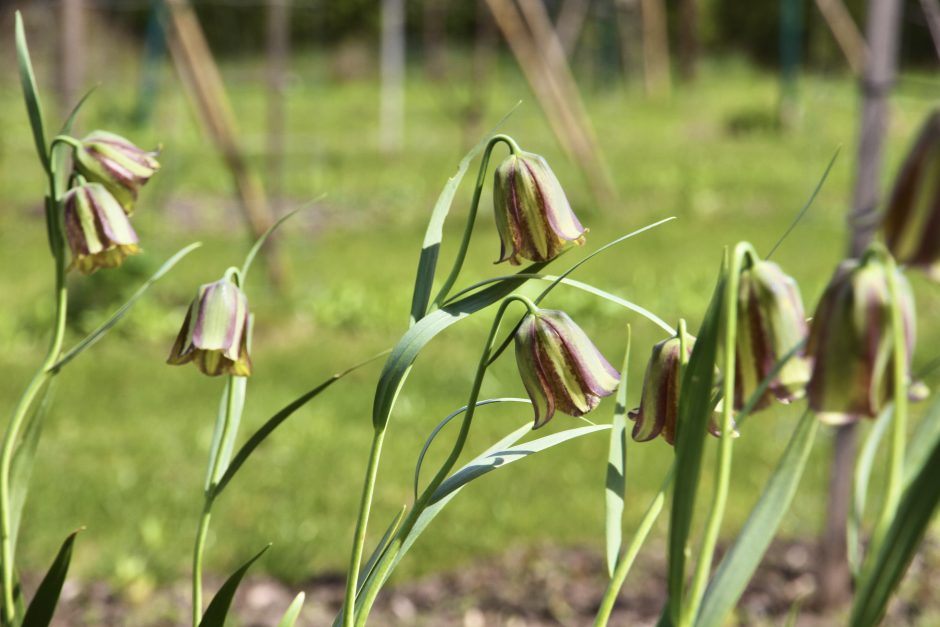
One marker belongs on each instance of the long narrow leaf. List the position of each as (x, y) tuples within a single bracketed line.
[(30, 92), (21, 467), (444, 423), (863, 468), (925, 437), (218, 609), (293, 612), (404, 353), (256, 247), (381, 547), (431, 246), (695, 410), (616, 481), (239, 390), (917, 507), (742, 559), (42, 607), (275, 421), (98, 333)]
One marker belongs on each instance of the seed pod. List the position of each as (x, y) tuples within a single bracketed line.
[(851, 341), (560, 366), (117, 164), (533, 216), (771, 323), (98, 232), (912, 219), (215, 332)]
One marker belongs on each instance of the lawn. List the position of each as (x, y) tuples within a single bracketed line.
[(123, 453)]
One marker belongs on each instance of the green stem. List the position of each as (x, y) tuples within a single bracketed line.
[(472, 215), (31, 394), (388, 559), (626, 561), (216, 470), (895, 482), (725, 445)]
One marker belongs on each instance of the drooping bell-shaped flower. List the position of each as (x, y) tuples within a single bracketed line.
[(533, 216), (98, 232), (771, 323), (215, 332), (658, 412), (912, 219), (117, 164), (852, 343), (560, 367)]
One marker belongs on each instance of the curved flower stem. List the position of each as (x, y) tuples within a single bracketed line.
[(725, 445), (895, 482), (54, 225), (472, 215), (626, 560), (388, 559), (216, 470)]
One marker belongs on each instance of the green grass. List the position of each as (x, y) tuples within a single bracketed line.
[(124, 449)]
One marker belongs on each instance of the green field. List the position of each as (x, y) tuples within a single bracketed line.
[(123, 452)]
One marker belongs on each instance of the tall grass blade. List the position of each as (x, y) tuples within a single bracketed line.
[(863, 468), (218, 609), (21, 466), (30, 92), (616, 479), (42, 607), (293, 611), (739, 564)]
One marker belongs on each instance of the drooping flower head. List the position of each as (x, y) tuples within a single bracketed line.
[(851, 341), (215, 332), (771, 323), (117, 164), (98, 232), (912, 220), (658, 413), (533, 216), (560, 367)]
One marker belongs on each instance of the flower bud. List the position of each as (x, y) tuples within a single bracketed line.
[(98, 231), (215, 332), (560, 366), (117, 164), (912, 219), (851, 341), (533, 217), (771, 323)]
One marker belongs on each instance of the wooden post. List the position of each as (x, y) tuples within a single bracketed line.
[(278, 51), (846, 33), (71, 52), (205, 91), (570, 23), (687, 39), (392, 106), (655, 48), (881, 63)]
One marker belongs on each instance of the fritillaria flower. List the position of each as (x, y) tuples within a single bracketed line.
[(912, 220), (117, 164), (771, 323), (214, 335), (852, 343), (98, 232), (533, 216), (560, 367)]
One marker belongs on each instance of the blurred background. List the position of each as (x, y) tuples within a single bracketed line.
[(721, 113)]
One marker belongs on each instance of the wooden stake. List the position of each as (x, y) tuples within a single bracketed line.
[(846, 33), (655, 48)]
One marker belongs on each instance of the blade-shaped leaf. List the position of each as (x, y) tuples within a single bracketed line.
[(925, 437), (444, 423), (917, 507), (404, 353), (695, 410), (238, 388), (293, 611), (431, 246), (218, 609), (256, 248), (30, 92), (381, 547), (21, 467), (98, 333), (42, 607), (863, 468), (738, 565), (616, 483), (59, 159), (275, 421)]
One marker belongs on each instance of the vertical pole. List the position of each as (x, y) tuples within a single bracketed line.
[(791, 43), (881, 64), (687, 39), (393, 76), (278, 50), (655, 48), (71, 65)]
